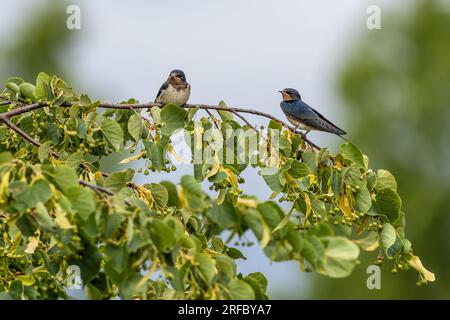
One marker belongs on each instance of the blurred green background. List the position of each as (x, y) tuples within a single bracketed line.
[(394, 88)]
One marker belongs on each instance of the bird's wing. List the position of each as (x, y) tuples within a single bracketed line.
[(315, 119), (163, 87)]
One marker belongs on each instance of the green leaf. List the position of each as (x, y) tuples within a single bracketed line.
[(174, 200), (258, 283), (135, 126), (388, 235), (224, 215), (162, 235), (82, 200), (44, 150), (30, 196), (385, 180), (235, 253), (275, 125), (390, 241), (273, 181), (176, 225), (224, 115), (27, 90), (156, 114), (191, 113), (295, 239), (240, 290), (406, 246), (74, 160), (269, 214), (16, 290), (16, 80), (81, 128), (298, 169), (117, 180), (113, 133), (112, 224), (206, 267), (283, 222), (340, 257), (388, 203), (159, 194), (172, 118), (362, 198), (156, 152), (13, 87), (65, 178), (350, 152), (193, 192), (226, 266), (89, 263), (43, 218), (260, 279), (255, 222), (42, 89), (130, 288), (41, 191), (118, 256), (309, 158), (5, 157), (395, 248)]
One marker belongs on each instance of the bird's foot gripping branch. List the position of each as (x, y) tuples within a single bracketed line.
[(162, 240)]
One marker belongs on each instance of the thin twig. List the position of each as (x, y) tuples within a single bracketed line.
[(96, 188), (15, 128), (25, 135), (22, 109), (36, 143), (212, 118), (245, 120)]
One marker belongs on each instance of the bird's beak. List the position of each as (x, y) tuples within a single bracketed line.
[(285, 95), (175, 79)]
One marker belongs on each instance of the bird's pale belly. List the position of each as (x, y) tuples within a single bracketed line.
[(299, 124), (172, 95)]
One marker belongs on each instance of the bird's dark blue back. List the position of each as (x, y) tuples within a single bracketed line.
[(298, 109)]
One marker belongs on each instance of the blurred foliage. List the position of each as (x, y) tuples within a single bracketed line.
[(40, 40), (396, 87)]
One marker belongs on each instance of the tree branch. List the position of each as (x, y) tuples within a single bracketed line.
[(96, 188), (148, 105), (36, 143), (212, 118), (24, 135), (245, 120), (15, 128)]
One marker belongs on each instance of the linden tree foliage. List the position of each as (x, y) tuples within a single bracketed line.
[(163, 240)]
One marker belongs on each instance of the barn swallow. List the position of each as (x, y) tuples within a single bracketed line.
[(175, 90), (303, 116)]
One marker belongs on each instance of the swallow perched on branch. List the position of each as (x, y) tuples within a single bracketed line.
[(175, 90), (302, 116)]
